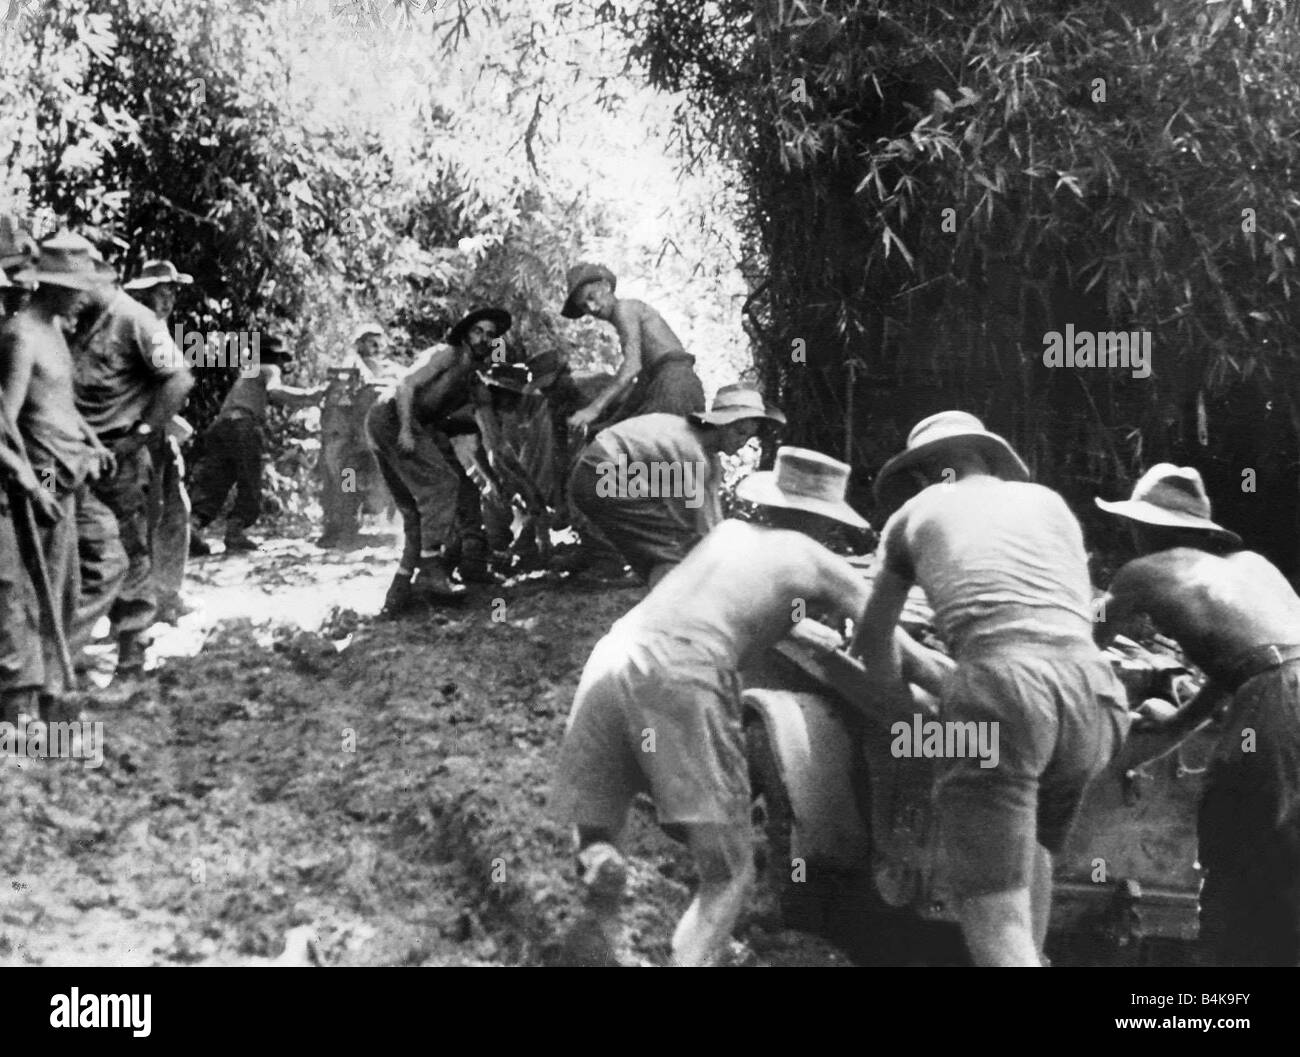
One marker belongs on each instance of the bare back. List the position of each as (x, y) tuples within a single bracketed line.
[(1216, 607), (743, 587), (653, 336)]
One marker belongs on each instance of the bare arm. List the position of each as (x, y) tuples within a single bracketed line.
[(876, 639), (1125, 601), (916, 664), (13, 463), (927, 668), (885, 648), (16, 363), (160, 354), (169, 399), (627, 321), (286, 395), (1166, 736), (13, 453)]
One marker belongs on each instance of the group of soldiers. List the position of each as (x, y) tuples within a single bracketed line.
[(456, 440), (90, 386), (479, 454), (96, 517), (1002, 562)]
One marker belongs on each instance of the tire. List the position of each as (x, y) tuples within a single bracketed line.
[(837, 904), (801, 904)]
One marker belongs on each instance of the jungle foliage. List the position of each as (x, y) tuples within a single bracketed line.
[(931, 187)]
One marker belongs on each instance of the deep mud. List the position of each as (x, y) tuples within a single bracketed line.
[(382, 783)]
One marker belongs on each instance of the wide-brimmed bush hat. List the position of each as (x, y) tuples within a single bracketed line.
[(66, 260), (498, 316), (579, 276), (734, 402), (155, 273), (948, 431), (805, 480), (1172, 497)]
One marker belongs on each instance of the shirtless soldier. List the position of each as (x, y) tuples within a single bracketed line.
[(657, 375), (658, 706), (1002, 563), (1238, 620), (414, 434), (36, 387)]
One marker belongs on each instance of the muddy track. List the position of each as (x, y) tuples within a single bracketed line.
[(384, 783)]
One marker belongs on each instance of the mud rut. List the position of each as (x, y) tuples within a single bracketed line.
[(382, 783)]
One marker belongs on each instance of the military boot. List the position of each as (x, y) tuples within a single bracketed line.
[(198, 545), (131, 647), (432, 584), (129, 678), (399, 598), (473, 565), (236, 540)]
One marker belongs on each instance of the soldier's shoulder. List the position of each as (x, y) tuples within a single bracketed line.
[(1161, 569), (20, 332)]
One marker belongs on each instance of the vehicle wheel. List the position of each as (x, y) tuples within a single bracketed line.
[(793, 890)]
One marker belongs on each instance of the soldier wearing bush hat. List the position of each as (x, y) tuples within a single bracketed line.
[(36, 387), (131, 381), (1003, 564), (423, 436), (1238, 619), (653, 531), (156, 285), (672, 666), (657, 374)]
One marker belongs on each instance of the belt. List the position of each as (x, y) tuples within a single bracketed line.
[(676, 356), (1256, 661), (109, 436)]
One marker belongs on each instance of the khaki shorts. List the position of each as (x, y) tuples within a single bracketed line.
[(1062, 715), (653, 717)]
